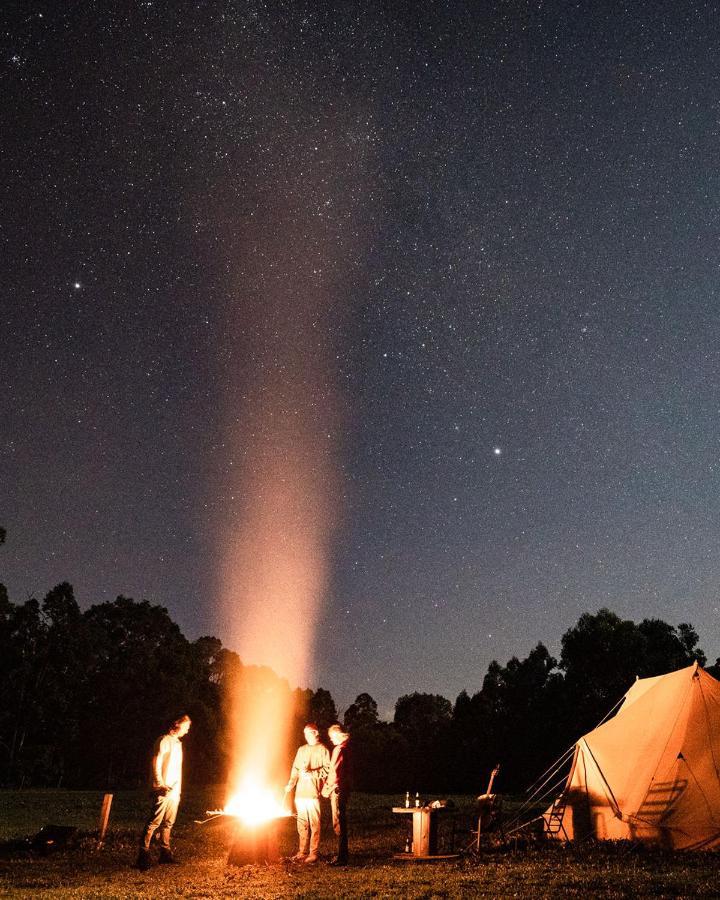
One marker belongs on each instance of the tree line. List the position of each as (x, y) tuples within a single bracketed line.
[(85, 693)]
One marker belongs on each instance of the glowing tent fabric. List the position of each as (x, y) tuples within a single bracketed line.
[(651, 773)]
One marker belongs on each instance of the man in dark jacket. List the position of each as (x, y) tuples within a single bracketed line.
[(338, 787)]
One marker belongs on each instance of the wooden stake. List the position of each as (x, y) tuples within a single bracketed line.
[(104, 818)]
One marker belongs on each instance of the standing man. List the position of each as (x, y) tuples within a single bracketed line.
[(338, 787), (307, 776), (166, 789)]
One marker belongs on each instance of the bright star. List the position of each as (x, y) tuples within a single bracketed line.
[(77, 285), (497, 451)]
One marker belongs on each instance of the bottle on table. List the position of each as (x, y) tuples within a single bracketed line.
[(417, 798), (407, 799)]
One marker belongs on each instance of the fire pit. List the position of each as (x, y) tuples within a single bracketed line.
[(254, 844), (255, 814)]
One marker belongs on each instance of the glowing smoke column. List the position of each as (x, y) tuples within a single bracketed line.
[(283, 416)]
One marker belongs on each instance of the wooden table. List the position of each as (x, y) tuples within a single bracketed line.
[(425, 826)]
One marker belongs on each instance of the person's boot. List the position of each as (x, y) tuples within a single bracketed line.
[(143, 862), (166, 857)]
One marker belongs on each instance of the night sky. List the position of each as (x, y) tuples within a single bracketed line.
[(489, 231)]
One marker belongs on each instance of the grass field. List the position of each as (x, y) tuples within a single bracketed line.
[(81, 871)]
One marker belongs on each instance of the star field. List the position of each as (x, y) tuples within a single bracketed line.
[(510, 212)]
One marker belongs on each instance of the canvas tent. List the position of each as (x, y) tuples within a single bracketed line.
[(652, 772)]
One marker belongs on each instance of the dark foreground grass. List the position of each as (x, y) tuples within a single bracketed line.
[(81, 871)]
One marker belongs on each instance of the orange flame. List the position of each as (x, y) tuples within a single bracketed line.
[(254, 804)]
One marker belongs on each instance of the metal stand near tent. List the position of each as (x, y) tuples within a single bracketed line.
[(489, 816)]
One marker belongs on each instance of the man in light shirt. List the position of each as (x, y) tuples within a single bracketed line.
[(307, 776), (166, 791)]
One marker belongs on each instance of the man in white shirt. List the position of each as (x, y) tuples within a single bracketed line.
[(308, 774), (166, 791)]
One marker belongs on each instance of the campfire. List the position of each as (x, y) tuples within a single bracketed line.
[(254, 805), (255, 812)]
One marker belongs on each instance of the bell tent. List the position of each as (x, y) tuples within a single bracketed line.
[(652, 772)]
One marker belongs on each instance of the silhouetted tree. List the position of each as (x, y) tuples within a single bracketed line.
[(689, 639), (531, 693), (417, 714), (603, 654), (600, 658), (512, 720), (474, 741), (322, 710), (139, 678), (64, 665), (423, 721), (205, 744), (380, 751), (714, 669), (21, 671), (666, 648), (362, 714), (85, 695), (382, 761)]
